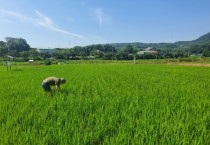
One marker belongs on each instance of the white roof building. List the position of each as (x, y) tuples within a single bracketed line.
[(45, 50)]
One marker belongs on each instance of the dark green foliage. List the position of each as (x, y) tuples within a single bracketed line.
[(48, 62), (18, 47)]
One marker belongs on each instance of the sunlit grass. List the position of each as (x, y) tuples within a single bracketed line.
[(106, 104)]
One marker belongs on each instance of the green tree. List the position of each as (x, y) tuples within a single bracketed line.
[(3, 48), (206, 53), (33, 53), (72, 54), (24, 55), (45, 55), (16, 45), (129, 49), (122, 55)]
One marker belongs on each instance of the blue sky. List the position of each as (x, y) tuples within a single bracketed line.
[(69, 23)]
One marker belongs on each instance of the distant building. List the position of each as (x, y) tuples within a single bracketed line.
[(9, 56), (148, 50), (45, 50)]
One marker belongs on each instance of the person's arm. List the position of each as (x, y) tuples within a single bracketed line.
[(58, 87)]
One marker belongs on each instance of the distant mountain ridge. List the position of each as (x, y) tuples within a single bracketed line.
[(202, 40)]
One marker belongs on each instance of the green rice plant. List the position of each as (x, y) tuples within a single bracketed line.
[(106, 104)]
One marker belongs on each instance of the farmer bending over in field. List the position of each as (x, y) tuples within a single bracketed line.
[(52, 81)]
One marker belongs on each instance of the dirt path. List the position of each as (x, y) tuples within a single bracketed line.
[(192, 64)]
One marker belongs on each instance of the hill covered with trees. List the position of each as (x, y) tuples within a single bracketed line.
[(18, 47), (203, 40)]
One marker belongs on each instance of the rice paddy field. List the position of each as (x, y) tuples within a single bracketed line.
[(116, 104)]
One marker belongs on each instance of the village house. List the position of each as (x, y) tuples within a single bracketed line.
[(148, 50)]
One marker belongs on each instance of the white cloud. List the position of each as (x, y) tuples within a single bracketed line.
[(102, 17), (48, 23), (19, 16), (43, 21)]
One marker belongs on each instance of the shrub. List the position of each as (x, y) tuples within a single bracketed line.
[(47, 62)]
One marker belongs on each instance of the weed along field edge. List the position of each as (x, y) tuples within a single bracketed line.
[(111, 103)]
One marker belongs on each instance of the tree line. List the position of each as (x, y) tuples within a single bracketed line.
[(20, 49)]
